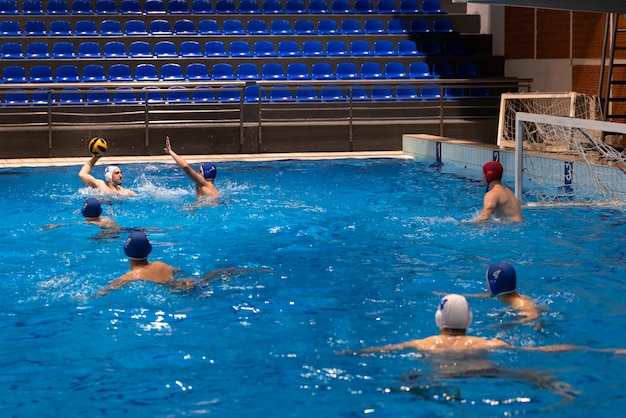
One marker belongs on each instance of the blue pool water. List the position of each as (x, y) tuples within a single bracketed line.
[(357, 251)]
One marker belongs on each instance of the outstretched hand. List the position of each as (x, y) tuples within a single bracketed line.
[(168, 146)]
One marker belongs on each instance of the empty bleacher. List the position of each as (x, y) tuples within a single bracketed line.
[(107, 55)]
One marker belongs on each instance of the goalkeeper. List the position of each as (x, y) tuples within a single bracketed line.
[(499, 200)]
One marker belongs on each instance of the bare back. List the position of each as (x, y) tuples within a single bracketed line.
[(500, 202)]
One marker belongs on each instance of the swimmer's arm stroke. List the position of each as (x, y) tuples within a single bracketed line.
[(194, 176), (562, 348)]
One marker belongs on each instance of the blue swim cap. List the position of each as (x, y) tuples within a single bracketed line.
[(137, 246), (453, 312), (501, 279), (91, 208), (208, 170)]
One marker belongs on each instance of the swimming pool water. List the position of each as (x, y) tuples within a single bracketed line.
[(357, 250)]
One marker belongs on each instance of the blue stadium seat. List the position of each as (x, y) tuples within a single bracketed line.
[(154, 7), (57, 7), (351, 26), (347, 70), (233, 27), (322, 71), (120, 72), (37, 50), (253, 93), (419, 26), (281, 93), (294, 7), (272, 7), (67, 73), (172, 72), (42, 96), (151, 94), (359, 48), (63, 50), (248, 71), (409, 6), (318, 7), (430, 92), (408, 47), (336, 48), (331, 93), (306, 93), (431, 47), (146, 72), (34, 28), (40, 74), (140, 49), (93, 72), (89, 49), (159, 27), (208, 27), (70, 95), (264, 49), (229, 94), (225, 7), (384, 48), (8, 7), (432, 7), (396, 26), (106, 7), (82, 7), (85, 28), (280, 27), (239, 49), (16, 96), (298, 71), (406, 92), (60, 28), (32, 7), (312, 48), (201, 7), (304, 27), (386, 6), (184, 27), (374, 26), (222, 71), (111, 27), (249, 7), (443, 69), (467, 69), (357, 92), (12, 50), (381, 92), (215, 49), (454, 47), (395, 69), (135, 27), (97, 95), (165, 49), (364, 7), (419, 69), (190, 49), (115, 49), (272, 71), (327, 27), (130, 7), (10, 28), (443, 26), (288, 48), (454, 92), (197, 71), (256, 27), (178, 6), (123, 95), (371, 70), (203, 94), (341, 7)]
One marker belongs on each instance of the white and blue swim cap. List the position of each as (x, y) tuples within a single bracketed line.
[(108, 172), (453, 312), (91, 208), (137, 246), (208, 171), (501, 279)]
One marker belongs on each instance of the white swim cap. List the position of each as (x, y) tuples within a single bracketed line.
[(108, 172), (453, 312)]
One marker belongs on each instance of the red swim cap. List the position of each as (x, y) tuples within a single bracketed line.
[(493, 171)]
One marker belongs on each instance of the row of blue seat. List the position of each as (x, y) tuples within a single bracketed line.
[(245, 71), (111, 27), (251, 93), (193, 49), (104, 7)]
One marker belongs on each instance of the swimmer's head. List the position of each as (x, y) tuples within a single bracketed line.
[(493, 171), (91, 208), (108, 172), (501, 279), (137, 246), (453, 312), (208, 171)]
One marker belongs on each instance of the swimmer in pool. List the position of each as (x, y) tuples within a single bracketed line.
[(138, 247), (92, 211), (202, 180), (112, 175), (499, 200)]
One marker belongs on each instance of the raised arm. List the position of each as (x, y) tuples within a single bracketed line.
[(85, 173), (195, 177)]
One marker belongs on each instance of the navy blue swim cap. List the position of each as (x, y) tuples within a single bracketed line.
[(137, 246), (501, 279), (91, 208), (208, 170)]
